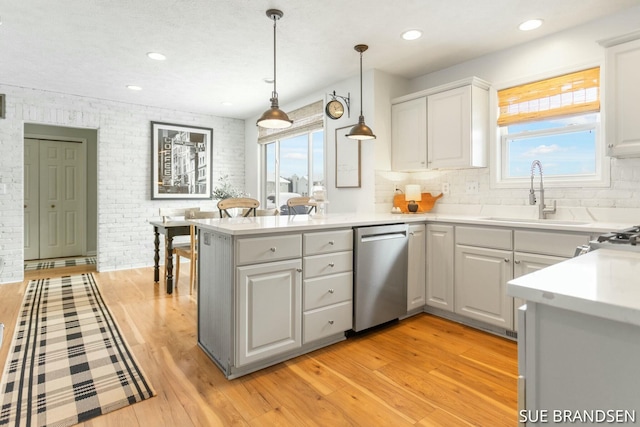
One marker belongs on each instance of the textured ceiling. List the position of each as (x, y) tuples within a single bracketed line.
[(221, 50)]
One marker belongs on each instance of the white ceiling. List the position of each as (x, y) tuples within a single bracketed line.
[(221, 50)]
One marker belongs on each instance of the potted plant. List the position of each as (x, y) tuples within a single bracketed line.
[(224, 189)]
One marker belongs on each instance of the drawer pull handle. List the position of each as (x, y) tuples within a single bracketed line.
[(331, 291), (331, 242), (299, 270), (273, 249), (517, 261), (331, 322), (506, 260), (331, 264)]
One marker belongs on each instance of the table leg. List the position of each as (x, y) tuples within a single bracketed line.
[(169, 265), (156, 255)]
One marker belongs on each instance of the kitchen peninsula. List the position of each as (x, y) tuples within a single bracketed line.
[(272, 288), (579, 347)]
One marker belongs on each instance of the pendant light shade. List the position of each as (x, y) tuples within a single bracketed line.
[(274, 117), (361, 130)]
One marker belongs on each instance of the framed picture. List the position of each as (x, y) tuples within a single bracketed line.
[(347, 160), (181, 158)]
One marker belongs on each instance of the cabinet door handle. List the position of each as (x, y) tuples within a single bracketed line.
[(53, 206), (331, 291), (331, 264), (517, 261), (411, 233), (331, 322), (610, 145), (507, 260), (273, 249), (299, 270), (331, 242)]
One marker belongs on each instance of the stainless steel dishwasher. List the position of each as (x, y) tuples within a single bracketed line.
[(380, 276)]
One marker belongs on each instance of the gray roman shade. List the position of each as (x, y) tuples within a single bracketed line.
[(305, 119)]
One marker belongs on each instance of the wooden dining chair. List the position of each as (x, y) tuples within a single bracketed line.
[(190, 251), (169, 214), (250, 206), (295, 202)]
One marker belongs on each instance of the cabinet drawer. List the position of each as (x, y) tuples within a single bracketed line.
[(485, 237), (328, 241), (327, 290), (548, 243), (327, 321), (252, 250), (319, 265)]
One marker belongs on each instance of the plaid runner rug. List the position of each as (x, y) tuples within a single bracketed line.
[(55, 263), (68, 361)]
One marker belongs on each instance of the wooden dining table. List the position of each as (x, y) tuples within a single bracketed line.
[(170, 229)]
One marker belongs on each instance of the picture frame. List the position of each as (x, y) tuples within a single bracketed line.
[(181, 161), (347, 160)]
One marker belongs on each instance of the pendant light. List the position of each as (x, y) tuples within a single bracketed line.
[(361, 130), (274, 117)]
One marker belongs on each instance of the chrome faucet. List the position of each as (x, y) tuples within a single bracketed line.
[(543, 210)]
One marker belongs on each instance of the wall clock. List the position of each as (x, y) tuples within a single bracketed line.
[(334, 109)]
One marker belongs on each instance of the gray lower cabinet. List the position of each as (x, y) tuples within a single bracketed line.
[(265, 299), (417, 263), (269, 309), (328, 284), (468, 268), (440, 261), (481, 285)]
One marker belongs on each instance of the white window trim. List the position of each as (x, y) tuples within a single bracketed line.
[(603, 162), (263, 155)]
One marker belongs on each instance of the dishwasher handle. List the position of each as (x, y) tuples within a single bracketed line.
[(382, 236)]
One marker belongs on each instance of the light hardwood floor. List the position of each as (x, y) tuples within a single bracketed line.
[(422, 371)]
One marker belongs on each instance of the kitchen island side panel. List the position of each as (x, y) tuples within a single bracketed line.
[(578, 362), (215, 297)]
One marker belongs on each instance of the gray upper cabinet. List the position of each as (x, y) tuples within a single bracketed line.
[(443, 127), (409, 135), (622, 91)]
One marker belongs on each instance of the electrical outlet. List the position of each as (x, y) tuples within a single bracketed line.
[(445, 188), (472, 187)]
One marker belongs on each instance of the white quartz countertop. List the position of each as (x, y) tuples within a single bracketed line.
[(284, 223), (603, 283)]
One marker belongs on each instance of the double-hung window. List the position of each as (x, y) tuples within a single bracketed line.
[(555, 121), (293, 159)]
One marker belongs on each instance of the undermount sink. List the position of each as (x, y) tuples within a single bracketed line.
[(538, 221)]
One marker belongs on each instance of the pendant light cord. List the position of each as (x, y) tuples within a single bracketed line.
[(360, 84), (275, 93)]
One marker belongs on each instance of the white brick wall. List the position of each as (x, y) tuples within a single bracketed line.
[(125, 239)]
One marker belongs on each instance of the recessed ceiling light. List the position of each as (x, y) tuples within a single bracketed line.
[(134, 87), (157, 56), (529, 25), (412, 34)]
